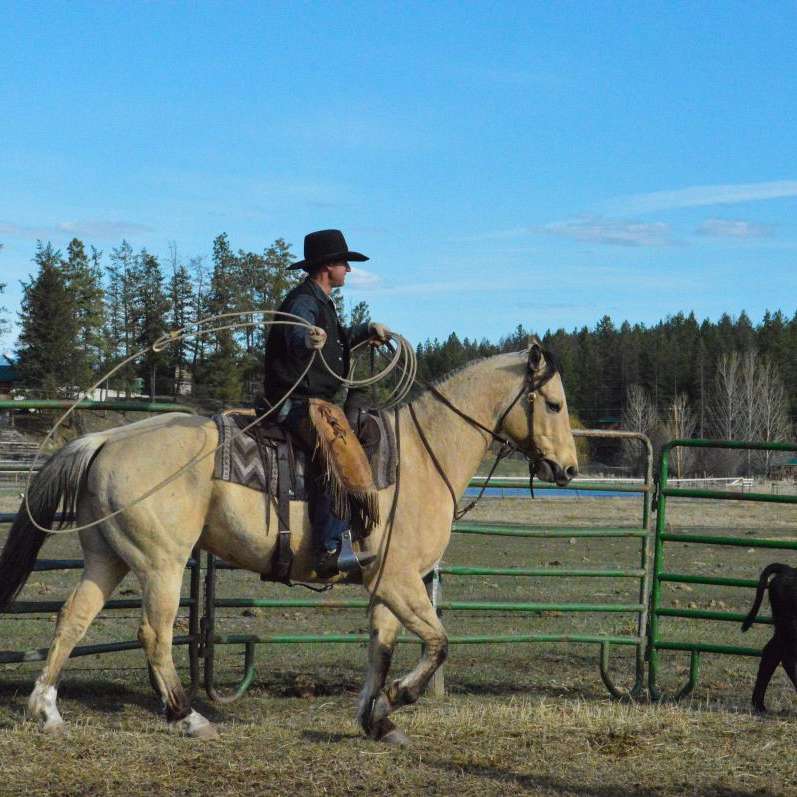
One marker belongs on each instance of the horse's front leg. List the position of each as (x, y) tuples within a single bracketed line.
[(408, 601), (384, 627)]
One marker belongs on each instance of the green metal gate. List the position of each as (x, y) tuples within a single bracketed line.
[(662, 575), (638, 535)]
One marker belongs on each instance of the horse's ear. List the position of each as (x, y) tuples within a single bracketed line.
[(535, 355)]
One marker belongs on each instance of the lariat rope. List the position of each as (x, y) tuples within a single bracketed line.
[(404, 356)]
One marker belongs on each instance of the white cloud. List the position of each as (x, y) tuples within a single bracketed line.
[(590, 229), (700, 195), (97, 228), (102, 229), (363, 280), (734, 228), (496, 235), (612, 232), (454, 286), (15, 230)]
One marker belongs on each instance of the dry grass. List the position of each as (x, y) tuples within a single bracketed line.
[(461, 746), (523, 718)]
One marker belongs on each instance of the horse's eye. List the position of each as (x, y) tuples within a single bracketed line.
[(553, 406)]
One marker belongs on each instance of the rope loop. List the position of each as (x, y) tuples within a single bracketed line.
[(403, 357)]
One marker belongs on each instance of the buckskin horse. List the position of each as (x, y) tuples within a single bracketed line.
[(515, 398)]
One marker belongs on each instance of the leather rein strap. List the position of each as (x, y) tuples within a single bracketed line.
[(529, 386)]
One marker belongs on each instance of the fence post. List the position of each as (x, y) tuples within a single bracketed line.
[(434, 588)]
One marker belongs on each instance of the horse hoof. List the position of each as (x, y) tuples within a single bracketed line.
[(396, 737), (196, 727), (385, 731), (380, 710), (206, 733)]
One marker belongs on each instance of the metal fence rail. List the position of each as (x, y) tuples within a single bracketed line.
[(661, 575)]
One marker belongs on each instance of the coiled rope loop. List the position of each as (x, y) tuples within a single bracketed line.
[(403, 357)]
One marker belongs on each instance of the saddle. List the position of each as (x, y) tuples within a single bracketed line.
[(264, 458)]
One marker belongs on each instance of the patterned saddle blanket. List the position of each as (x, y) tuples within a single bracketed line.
[(251, 458)]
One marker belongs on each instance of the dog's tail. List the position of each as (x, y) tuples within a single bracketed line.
[(773, 569)]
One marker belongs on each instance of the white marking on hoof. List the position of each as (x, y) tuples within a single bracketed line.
[(196, 726), (42, 707), (396, 737), (381, 709), (54, 728)]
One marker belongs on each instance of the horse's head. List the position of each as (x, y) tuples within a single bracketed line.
[(538, 422)]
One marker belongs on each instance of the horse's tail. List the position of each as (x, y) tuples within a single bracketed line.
[(775, 567), (57, 484)]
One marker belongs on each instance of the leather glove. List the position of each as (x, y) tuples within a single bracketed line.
[(379, 332), (315, 338)]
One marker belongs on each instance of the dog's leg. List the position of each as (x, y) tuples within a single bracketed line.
[(771, 656), (790, 663)]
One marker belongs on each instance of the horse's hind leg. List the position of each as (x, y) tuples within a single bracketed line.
[(384, 628), (160, 601), (103, 572), (411, 605)]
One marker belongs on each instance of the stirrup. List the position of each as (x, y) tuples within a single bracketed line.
[(348, 561)]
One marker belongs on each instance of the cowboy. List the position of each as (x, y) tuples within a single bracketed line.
[(288, 351)]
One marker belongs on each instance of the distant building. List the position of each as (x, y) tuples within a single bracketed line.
[(183, 381), (608, 423), (786, 470), (8, 376)]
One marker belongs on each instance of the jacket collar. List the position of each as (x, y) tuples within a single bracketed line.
[(318, 291)]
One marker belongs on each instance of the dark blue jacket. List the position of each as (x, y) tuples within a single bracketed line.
[(287, 355)]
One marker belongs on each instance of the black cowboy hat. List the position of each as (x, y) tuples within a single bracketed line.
[(325, 246)]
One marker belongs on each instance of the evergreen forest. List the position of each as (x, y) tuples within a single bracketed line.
[(85, 312)]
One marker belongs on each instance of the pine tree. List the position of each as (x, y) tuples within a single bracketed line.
[(181, 300), (201, 287), (48, 351), (220, 374), (83, 278), (360, 314), (150, 311), (4, 325), (121, 331)]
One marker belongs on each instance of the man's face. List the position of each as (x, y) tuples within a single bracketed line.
[(337, 273)]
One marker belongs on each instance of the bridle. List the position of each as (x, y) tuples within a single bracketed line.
[(532, 383)]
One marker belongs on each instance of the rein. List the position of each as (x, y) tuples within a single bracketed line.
[(529, 386)]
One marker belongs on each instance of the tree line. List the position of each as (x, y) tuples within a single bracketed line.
[(84, 313), (731, 379)]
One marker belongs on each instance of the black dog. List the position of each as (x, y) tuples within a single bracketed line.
[(782, 648)]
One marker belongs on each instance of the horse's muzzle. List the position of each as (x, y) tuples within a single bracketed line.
[(549, 471)]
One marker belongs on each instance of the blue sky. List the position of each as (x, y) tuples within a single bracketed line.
[(501, 163)]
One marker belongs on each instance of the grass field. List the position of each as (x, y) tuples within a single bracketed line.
[(529, 718)]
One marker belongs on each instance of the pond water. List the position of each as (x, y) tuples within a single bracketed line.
[(549, 492)]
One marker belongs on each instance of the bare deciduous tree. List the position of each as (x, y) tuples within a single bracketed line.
[(724, 413), (772, 410), (724, 409), (680, 423), (639, 415), (749, 402)]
